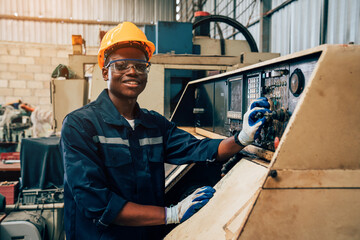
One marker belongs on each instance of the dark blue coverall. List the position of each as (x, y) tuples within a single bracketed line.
[(107, 164)]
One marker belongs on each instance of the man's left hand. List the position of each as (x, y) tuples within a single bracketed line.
[(252, 123)]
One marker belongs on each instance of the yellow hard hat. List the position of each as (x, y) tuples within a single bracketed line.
[(127, 34)]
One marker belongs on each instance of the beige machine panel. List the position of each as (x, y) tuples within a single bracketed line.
[(67, 95), (311, 189), (210, 46), (77, 63), (299, 214), (152, 97), (223, 216), (97, 84)]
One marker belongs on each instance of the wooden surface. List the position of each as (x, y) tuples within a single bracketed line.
[(193, 132), (225, 213), (333, 178), (195, 67), (9, 166), (298, 214), (2, 216), (208, 134), (210, 46), (194, 59), (9, 171)]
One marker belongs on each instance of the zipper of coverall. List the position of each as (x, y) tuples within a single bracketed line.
[(131, 132)]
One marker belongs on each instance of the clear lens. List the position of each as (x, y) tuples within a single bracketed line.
[(119, 66), (123, 65)]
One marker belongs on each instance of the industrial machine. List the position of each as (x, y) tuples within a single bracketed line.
[(301, 178), (14, 121), (38, 209), (170, 74)]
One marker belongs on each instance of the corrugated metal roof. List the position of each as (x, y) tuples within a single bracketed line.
[(40, 20)]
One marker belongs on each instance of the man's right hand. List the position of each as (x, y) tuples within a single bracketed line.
[(251, 123), (190, 205)]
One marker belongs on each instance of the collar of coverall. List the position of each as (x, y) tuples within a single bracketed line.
[(110, 114)]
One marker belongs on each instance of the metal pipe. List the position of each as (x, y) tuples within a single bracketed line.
[(265, 31), (34, 206), (324, 21), (215, 14)]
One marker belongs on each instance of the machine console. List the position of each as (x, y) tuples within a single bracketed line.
[(312, 95), (223, 100)]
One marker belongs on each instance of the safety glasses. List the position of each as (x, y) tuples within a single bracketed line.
[(123, 65)]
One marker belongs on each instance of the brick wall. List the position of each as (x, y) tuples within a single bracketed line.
[(25, 71)]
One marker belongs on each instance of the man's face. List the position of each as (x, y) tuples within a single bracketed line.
[(127, 84)]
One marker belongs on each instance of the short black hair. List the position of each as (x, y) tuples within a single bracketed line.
[(134, 44)]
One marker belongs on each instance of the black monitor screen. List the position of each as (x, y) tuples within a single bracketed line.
[(235, 98)]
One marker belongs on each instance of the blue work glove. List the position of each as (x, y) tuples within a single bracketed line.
[(190, 205), (252, 124)]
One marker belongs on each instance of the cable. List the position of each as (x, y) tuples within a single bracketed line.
[(53, 227), (222, 40), (218, 18)]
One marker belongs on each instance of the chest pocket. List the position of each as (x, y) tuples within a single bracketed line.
[(120, 169), (117, 156), (153, 149), (116, 151)]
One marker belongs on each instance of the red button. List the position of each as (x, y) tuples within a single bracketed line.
[(276, 142)]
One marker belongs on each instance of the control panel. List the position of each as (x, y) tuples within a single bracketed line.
[(253, 87), (312, 124), (282, 84), (42, 196), (220, 103)]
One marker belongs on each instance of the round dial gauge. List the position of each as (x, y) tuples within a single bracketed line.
[(297, 82)]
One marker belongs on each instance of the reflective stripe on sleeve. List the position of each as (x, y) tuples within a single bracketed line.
[(150, 141)]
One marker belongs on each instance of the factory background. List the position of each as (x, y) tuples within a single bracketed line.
[(298, 180), (295, 24), (35, 35)]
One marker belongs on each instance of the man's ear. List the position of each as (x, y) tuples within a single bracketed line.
[(105, 73)]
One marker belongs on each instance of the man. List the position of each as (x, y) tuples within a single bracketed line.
[(114, 152)]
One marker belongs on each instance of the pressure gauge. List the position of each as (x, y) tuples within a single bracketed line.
[(297, 82)]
